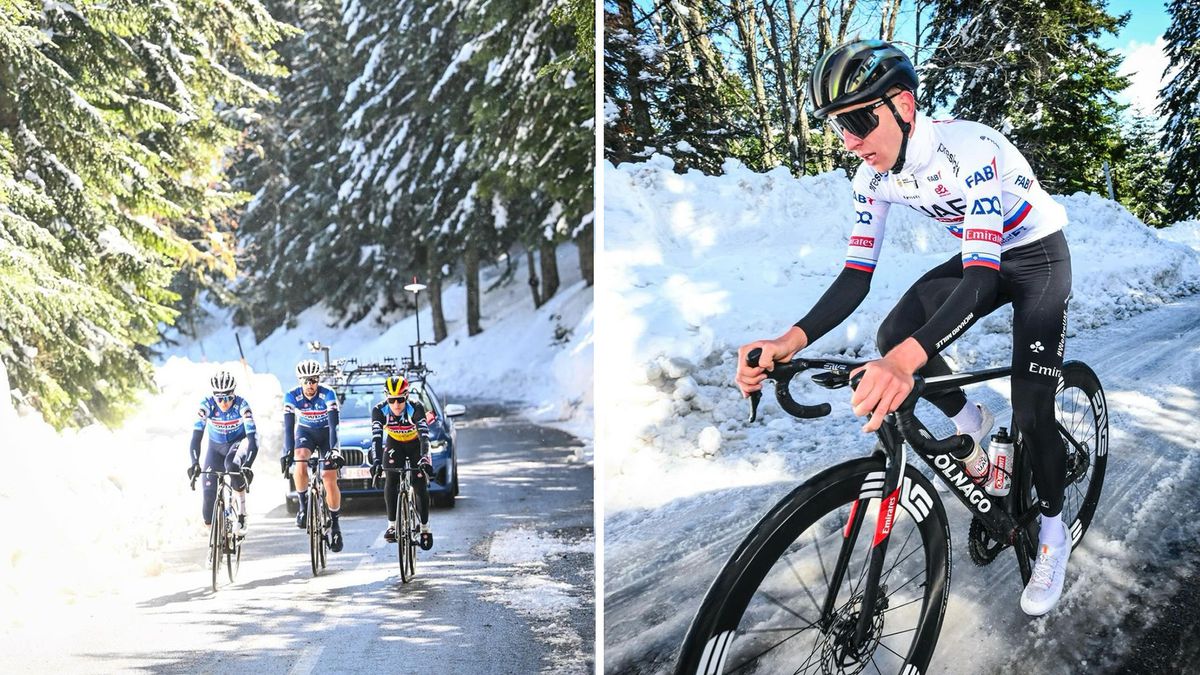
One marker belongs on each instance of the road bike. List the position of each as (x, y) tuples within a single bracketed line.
[(224, 544), (317, 519), (850, 572), (408, 523)]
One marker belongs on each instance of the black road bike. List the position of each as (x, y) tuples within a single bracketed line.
[(408, 523), (318, 522), (850, 572), (224, 544)]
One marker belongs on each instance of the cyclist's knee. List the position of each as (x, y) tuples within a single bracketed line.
[(303, 454)]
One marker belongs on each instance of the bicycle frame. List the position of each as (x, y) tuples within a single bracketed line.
[(996, 513)]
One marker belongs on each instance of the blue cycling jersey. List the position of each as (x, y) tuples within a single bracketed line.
[(225, 426), (311, 413)]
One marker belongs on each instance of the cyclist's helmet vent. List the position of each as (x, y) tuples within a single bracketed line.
[(309, 368), (396, 386), (222, 382), (858, 72)]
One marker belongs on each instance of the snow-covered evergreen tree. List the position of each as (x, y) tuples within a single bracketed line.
[(113, 120), (1034, 70), (1180, 103)]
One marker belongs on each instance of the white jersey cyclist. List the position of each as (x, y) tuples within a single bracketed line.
[(966, 176)]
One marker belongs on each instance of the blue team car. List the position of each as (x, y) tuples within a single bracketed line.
[(356, 397)]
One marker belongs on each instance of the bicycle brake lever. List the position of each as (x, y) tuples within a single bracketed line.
[(755, 397)]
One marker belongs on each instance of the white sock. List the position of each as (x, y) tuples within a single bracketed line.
[(1052, 532), (968, 419), (392, 524), (241, 498)]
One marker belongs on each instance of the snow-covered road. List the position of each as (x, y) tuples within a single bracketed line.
[(1137, 554)]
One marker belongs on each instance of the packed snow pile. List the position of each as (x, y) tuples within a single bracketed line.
[(540, 358), (101, 505), (1186, 232), (696, 265)]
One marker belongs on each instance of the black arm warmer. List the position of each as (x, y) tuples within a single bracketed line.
[(289, 434), (333, 424), (844, 296), (197, 434), (377, 422), (251, 449), (974, 296)]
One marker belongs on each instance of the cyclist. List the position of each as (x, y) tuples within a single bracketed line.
[(310, 421), (970, 178), (229, 421), (403, 420)]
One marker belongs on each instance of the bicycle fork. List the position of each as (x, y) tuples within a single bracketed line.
[(886, 487)]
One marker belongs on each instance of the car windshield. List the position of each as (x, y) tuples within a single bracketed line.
[(357, 399)]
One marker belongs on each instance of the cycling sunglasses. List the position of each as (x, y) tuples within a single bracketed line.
[(395, 399), (224, 398), (858, 123), (311, 380)]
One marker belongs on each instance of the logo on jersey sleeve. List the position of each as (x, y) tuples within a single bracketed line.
[(941, 190), (983, 175), (983, 235), (861, 199), (986, 206), (865, 242)]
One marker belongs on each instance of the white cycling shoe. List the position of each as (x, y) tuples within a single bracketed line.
[(1045, 586)]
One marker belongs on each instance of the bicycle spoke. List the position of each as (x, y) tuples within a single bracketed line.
[(796, 573), (888, 574), (766, 651), (889, 648), (897, 607), (778, 603)]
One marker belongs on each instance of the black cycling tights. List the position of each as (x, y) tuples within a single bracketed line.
[(391, 484), (1036, 279)]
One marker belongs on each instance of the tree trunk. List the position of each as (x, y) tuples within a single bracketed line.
[(825, 40), (587, 246), (847, 12), (890, 10), (745, 21), (549, 270), (435, 303), (799, 79), (471, 260), (639, 108), (781, 85), (531, 263)]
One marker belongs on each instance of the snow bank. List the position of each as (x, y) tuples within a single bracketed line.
[(540, 358), (96, 506), (699, 265)]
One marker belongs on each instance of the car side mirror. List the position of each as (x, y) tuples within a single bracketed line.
[(455, 409)]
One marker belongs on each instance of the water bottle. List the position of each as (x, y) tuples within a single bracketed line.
[(1000, 453)]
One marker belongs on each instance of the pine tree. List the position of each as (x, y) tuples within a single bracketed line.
[(1180, 104), (1140, 171), (1034, 70), (113, 120)]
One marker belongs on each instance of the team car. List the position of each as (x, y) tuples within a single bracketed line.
[(359, 388)]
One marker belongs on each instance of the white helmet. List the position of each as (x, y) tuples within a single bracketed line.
[(307, 368), (222, 382)]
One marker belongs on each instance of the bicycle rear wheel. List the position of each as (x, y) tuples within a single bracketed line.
[(769, 609), (1082, 416), (404, 537), (216, 540)]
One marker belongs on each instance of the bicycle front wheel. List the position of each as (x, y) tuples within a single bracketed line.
[(404, 537), (790, 597), (233, 558), (313, 517), (216, 539)]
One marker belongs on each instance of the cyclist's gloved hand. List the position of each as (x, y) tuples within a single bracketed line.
[(426, 465), (248, 475), (335, 460), (376, 470), (285, 463), (193, 471)]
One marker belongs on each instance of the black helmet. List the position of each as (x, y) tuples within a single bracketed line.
[(857, 72)]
